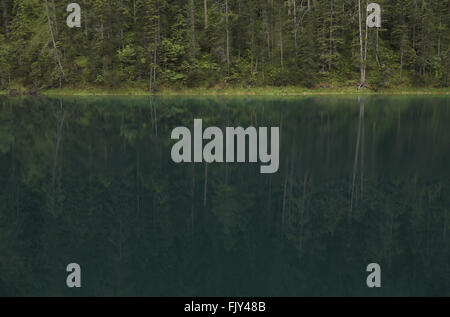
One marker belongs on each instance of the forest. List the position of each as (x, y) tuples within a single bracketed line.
[(153, 44)]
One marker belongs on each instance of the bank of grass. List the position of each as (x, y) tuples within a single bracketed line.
[(236, 91)]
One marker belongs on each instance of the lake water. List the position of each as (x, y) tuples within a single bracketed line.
[(90, 180)]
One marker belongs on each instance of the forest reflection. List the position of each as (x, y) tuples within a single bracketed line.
[(90, 180)]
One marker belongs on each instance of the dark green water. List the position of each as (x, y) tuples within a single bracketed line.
[(91, 181)]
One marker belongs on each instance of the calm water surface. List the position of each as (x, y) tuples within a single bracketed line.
[(91, 181)]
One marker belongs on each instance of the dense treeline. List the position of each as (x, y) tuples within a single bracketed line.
[(155, 43)]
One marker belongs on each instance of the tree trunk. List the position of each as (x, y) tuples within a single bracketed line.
[(331, 36), (377, 54), (295, 25), (365, 43), (252, 47), (228, 37), (362, 82), (262, 68), (52, 37), (86, 27), (439, 37), (54, 17), (401, 64), (155, 50), (150, 79), (134, 12), (281, 39), (5, 16), (192, 29), (239, 33), (205, 9)]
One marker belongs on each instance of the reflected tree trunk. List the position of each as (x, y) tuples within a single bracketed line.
[(373, 151), (302, 213), (193, 198), (269, 201), (363, 142), (355, 162), (15, 188), (138, 182), (445, 224), (153, 117), (60, 117), (205, 188), (398, 138), (291, 177), (391, 236), (283, 210)]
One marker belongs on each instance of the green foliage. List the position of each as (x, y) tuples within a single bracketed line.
[(159, 43), (5, 68)]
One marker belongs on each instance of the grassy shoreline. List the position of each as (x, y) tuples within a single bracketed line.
[(257, 91)]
